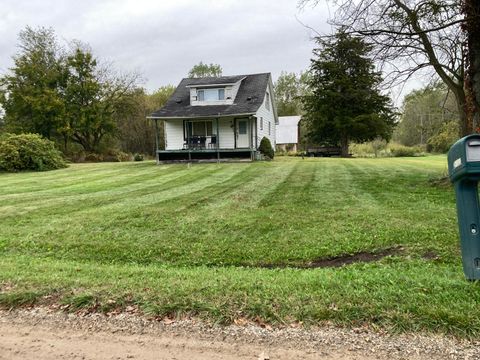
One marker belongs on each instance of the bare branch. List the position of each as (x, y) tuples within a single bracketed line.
[(410, 37)]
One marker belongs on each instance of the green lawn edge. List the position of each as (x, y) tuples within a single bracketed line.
[(180, 240), (396, 293)]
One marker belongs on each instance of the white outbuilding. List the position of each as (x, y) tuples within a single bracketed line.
[(288, 133)]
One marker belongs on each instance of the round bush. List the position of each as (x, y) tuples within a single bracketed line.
[(266, 148), (94, 157), (114, 155), (29, 152)]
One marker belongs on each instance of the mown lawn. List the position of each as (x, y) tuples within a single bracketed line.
[(227, 241)]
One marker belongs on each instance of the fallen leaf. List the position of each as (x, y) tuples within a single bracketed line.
[(168, 321), (240, 321)]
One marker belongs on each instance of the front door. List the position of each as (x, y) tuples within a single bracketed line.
[(243, 133)]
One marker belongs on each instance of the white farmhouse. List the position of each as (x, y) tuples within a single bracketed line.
[(217, 117)]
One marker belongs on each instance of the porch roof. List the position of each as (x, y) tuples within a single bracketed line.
[(249, 98)]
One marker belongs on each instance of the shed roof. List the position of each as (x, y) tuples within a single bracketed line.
[(250, 96), (287, 129)]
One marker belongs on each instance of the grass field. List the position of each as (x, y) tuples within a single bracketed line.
[(228, 241)]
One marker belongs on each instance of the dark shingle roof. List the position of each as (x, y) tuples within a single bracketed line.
[(249, 97), (215, 80)]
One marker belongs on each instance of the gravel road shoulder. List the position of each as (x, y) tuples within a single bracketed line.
[(42, 333)]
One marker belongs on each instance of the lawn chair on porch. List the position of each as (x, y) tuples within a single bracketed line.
[(213, 142), (202, 142), (192, 143)]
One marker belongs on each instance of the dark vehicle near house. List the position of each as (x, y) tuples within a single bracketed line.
[(323, 151)]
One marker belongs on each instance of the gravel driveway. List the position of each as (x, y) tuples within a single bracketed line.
[(42, 333)]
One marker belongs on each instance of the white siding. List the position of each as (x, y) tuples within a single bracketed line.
[(193, 95), (174, 134), (226, 133), (268, 116), (287, 130)]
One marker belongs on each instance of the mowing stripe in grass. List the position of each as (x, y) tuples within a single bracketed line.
[(75, 174), (110, 187), (66, 203), (175, 238), (162, 231)]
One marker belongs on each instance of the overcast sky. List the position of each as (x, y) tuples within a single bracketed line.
[(164, 39)]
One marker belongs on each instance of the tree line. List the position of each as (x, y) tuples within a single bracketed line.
[(424, 39), (66, 94)]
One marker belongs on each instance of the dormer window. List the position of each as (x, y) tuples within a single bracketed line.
[(211, 94)]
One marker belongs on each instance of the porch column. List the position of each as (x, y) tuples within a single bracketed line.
[(256, 138), (156, 141), (250, 140), (256, 133), (218, 141)]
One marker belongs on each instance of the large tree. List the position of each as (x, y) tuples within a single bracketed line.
[(412, 38), (344, 103), (62, 95), (205, 70), (93, 97), (88, 118), (30, 93)]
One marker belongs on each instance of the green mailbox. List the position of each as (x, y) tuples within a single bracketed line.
[(464, 172)]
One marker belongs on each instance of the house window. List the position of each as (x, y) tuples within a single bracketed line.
[(267, 101), (199, 128), (242, 127), (269, 128), (261, 123), (211, 94)]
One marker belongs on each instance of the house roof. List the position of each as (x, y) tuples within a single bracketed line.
[(221, 80), (250, 96), (287, 130)]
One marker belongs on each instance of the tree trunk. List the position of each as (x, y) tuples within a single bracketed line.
[(84, 142), (472, 78), (344, 146), (465, 122)]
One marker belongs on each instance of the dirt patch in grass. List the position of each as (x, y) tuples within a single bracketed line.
[(430, 255), (360, 257), (341, 260)]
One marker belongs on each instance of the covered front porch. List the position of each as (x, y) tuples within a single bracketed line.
[(205, 154), (217, 139)]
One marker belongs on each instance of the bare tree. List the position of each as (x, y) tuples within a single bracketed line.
[(412, 38)]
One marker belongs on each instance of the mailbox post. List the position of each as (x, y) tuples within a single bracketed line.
[(464, 172)]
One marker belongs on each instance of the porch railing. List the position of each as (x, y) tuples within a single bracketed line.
[(201, 143)]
